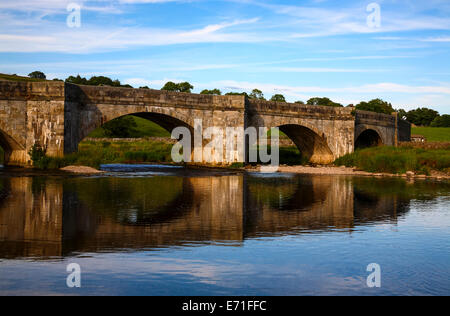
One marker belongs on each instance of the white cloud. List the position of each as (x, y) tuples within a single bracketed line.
[(88, 39), (437, 39), (320, 22), (323, 70), (57, 6)]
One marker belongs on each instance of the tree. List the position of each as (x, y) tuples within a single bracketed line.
[(402, 114), (123, 127), (170, 86), (257, 94), (323, 102), (96, 81), (178, 87), (299, 102), (376, 105), (103, 81), (37, 75), (144, 87), (238, 93), (213, 92), (185, 87), (278, 98), (422, 116), (441, 121), (77, 80)]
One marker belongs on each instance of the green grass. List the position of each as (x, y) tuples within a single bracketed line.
[(398, 160), (19, 78), (288, 156), (433, 134), (292, 156), (94, 154), (145, 128)]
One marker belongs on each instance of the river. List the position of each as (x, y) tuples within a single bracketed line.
[(154, 230)]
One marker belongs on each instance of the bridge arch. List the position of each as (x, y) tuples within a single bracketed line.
[(368, 138), (91, 119), (10, 146), (166, 119), (309, 142)]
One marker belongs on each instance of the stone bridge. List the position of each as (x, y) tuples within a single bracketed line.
[(58, 116)]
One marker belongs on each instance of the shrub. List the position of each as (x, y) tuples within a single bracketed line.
[(38, 157)]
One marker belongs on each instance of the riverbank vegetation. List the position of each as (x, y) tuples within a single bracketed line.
[(398, 160), (96, 153)]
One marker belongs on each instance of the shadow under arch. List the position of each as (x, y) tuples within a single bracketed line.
[(368, 138), (9, 145), (310, 144)]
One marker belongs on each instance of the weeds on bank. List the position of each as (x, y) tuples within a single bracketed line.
[(398, 160), (93, 154)]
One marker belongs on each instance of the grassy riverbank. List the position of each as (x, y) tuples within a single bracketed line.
[(398, 160), (95, 153)]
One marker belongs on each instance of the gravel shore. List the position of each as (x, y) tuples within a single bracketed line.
[(81, 170)]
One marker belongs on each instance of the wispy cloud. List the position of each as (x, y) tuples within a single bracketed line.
[(437, 39), (367, 88), (321, 22), (90, 39)]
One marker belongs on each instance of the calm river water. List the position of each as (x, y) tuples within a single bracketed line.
[(170, 231)]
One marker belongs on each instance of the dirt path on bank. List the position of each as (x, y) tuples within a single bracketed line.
[(332, 170), (81, 170)]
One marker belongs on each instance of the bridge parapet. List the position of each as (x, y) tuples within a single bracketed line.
[(380, 119), (295, 109), (150, 97), (32, 91)]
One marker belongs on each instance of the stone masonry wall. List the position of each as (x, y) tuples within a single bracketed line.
[(31, 112), (58, 116)]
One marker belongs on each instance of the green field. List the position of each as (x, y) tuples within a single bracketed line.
[(145, 128), (433, 134)]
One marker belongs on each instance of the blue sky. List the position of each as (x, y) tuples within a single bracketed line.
[(301, 49)]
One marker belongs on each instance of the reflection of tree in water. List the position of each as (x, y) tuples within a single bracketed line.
[(133, 201), (389, 198), (400, 188)]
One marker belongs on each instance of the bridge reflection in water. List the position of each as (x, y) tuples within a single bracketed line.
[(46, 217)]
